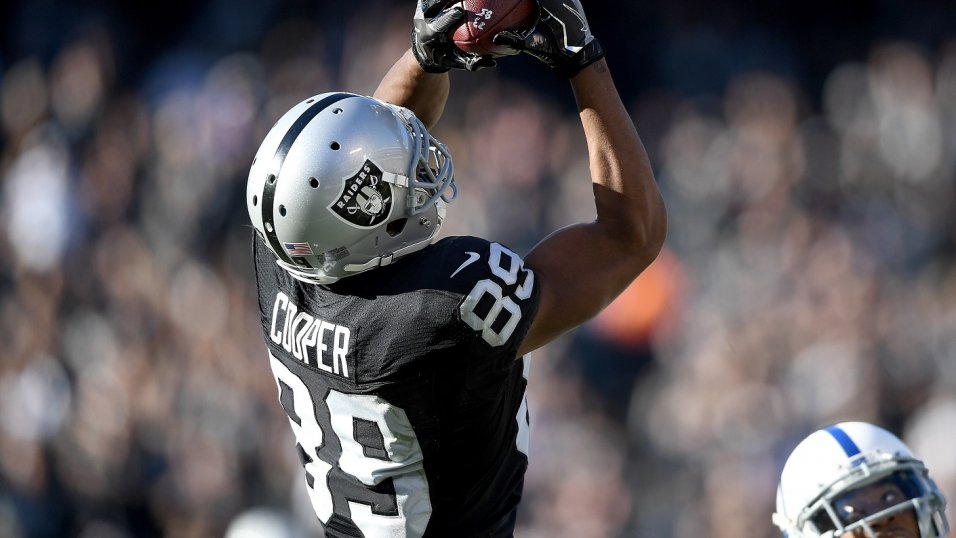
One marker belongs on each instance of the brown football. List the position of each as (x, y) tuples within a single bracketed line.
[(485, 18)]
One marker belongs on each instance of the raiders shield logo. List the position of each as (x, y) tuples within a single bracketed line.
[(366, 200)]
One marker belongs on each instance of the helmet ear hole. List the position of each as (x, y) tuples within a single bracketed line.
[(396, 227)]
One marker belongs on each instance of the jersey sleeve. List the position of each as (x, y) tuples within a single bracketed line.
[(499, 294)]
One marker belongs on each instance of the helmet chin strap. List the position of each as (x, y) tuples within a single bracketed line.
[(385, 259), (378, 261), (322, 278)]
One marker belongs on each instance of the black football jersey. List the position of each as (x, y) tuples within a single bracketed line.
[(404, 390)]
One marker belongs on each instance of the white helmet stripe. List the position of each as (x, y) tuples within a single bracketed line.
[(269, 186)]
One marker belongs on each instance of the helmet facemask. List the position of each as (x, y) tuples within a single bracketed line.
[(832, 514), (431, 171)]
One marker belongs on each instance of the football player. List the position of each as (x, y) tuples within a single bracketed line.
[(402, 363), (854, 480)]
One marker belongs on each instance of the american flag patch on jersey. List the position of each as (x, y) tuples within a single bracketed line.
[(298, 249)]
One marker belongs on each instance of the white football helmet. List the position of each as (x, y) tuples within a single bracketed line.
[(343, 183), (822, 474)]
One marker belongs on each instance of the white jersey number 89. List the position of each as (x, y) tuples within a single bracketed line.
[(404, 513), (503, 304)]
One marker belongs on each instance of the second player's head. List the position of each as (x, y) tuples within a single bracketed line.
[(855, 480)]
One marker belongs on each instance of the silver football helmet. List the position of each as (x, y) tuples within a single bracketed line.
[(343, 183), (852, 478)]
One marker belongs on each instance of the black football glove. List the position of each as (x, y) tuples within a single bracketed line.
[(432, 44), (561, 38)]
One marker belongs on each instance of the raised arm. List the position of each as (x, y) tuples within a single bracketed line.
[(419, 79), (582, 268), (407, 84)]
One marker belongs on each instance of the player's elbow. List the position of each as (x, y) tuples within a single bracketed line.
[(650, 236), (640, 232)]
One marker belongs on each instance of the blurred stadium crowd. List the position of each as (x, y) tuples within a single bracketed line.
[(809, 275)]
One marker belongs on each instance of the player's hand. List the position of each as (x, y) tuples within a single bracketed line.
[(561, 38), (433, 46)]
